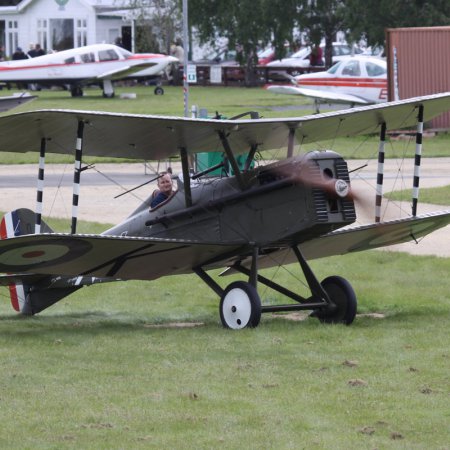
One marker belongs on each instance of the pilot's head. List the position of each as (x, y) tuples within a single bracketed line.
[(165, 183)]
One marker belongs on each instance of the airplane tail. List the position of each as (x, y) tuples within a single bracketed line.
[(31, 293)]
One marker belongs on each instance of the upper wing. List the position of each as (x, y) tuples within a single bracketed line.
[(107, 256), (320, 95), (155, 137)]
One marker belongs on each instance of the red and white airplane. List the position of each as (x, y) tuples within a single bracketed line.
[(358, 80), (92, 64)]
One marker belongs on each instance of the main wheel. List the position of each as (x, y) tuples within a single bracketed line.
[(240, 306), (76, 91), (159, 90), (343, 296)]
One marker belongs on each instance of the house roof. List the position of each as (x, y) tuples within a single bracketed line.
[(12, 6)]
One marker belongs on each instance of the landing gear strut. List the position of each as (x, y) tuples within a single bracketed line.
[(332, 301)]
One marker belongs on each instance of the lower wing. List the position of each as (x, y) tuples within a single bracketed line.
[(107, 257), (356, 239)]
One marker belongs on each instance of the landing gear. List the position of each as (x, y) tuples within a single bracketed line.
[(159, 90), (332, 301), (76, 91), (240, 306), (341, 293), (108, 90)]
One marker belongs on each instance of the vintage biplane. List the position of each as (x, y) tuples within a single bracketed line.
[(292, 210)]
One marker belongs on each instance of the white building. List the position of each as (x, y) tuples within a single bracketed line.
[(61, 24)]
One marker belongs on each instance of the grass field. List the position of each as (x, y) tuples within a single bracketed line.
[(122, 365), (105, 368)]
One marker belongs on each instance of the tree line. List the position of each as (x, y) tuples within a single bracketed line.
[(252, 24)]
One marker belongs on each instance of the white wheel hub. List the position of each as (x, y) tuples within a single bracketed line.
[(236, 308)]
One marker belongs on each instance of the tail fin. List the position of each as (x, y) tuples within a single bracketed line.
[(30, 294)]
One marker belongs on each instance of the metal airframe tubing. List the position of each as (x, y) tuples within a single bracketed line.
[(232, 159), (186, 177), (209, 281), (271, 284), (316, 288), (250, 156), (291, 141), (253, 276)]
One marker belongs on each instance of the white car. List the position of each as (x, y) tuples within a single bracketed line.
[(301, 58)]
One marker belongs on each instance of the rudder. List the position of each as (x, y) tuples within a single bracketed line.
[(17, 223)]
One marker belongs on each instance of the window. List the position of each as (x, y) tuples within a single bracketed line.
[(81, 32), (87, 57), (12, 36), (107, 55), (61, 34), (42, 33), (374, 70), (352, 69)]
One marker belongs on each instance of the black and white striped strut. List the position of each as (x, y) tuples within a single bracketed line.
[(380, 173), (77, 175), (417, 161), (40, 188)]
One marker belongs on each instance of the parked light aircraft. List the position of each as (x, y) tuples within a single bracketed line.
[(92, 64), (356, 80), (292, 210)]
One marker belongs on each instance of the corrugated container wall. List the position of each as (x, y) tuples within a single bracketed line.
[(419, 64)]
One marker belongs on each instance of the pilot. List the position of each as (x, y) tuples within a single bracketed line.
[(164, 191)]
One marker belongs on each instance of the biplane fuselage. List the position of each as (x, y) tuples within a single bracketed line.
[(274, 210)]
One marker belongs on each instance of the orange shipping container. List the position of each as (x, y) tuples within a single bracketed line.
[(419, 64)]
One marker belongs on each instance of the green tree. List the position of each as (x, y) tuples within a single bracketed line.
[(247, 24), (158, 24), (323, 19), (370, 19)]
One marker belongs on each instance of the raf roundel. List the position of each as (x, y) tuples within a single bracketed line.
[(25, 257)]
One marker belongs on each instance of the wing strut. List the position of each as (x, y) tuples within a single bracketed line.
[(40, 187), (290, 149), (380, 173), (417, 160), (186, 177), (232, 160), (77, 175)]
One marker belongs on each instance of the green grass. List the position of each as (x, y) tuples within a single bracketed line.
[(227, 101), (104, 369), (435, 196), (95, 370)]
